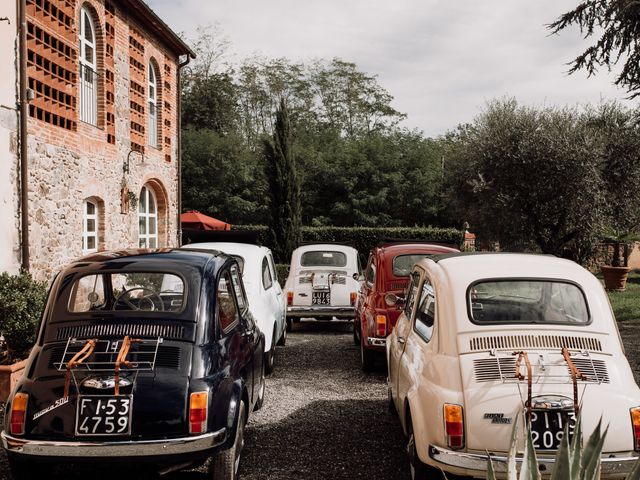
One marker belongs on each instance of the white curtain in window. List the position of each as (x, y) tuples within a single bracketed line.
[(88, 69)]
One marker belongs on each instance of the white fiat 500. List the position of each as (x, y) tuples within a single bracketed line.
[(487, 340), (266, 301), (323, 282)]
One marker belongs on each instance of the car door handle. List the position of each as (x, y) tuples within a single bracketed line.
[(401, 340), (279, 293)]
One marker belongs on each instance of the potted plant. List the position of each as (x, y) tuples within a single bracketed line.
[(616, 271), (21, 303)]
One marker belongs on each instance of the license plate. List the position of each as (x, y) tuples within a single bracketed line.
[(321, 298), (103, 415), (547, 427)]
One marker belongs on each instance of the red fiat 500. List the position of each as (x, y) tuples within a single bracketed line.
[(387, 271)]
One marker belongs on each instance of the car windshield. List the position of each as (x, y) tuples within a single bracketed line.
[(323, 258), (136, 291), (527, 301), (402, 264)]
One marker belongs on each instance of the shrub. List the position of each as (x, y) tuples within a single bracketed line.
[(282, 271), (21, 304), (363, 239)]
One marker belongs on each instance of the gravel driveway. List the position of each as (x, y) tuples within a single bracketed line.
[(324, 419)]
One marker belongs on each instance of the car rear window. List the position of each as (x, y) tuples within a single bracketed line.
[(323, 258), (133, 291), (240, 261), (403, 264), (527, 301)]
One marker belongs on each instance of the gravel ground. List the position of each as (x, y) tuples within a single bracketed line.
[(323, 418)]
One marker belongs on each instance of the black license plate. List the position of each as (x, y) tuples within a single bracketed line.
[(321, 298), (547, 427), (103, 415)]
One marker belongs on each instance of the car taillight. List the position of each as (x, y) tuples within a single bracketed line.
[(635, 421), (18, 413), (289, 298), (454, 426), (354, 295), (381, 325), (198, 404)]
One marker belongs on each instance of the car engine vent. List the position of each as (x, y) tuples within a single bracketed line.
[(488, 369), (305, 279), (594, 370), (401, 285), (168, 356), (340, 280), (139, 330), (499, 342)]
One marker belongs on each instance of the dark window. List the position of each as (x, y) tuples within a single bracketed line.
[(227, 310), (402, 264), (527, 301), (425, 317), (240, 262), (323, 259), (267, 281), (238, 288), (371, 273), (412, 291)]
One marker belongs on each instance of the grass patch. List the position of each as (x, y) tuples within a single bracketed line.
[(626, 305)]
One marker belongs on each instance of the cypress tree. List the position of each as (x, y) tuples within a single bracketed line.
[(284, 187)]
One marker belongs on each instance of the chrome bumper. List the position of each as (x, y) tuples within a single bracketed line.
[(610, 466), (128, 449), (320, 311), (376, 342)]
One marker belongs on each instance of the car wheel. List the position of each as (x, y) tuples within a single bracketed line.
[(263, 387), (289, 324), (270, 356), (225, 464), (390, 405), (356, 333), (367, 358), (418, 469), (27, 471), (283, 338)]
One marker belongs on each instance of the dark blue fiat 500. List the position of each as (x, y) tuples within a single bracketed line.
[(144, 357)]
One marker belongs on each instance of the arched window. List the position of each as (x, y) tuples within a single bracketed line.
[(90, 216), (88, 69), (153, 106), (147, 219)]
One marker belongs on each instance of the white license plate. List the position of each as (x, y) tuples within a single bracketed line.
[(103, 415)]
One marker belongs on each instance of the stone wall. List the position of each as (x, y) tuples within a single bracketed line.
[(69, 166)]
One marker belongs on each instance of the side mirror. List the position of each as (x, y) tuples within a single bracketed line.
[(392, 300)]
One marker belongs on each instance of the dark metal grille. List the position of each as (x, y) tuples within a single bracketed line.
[(120, 330)]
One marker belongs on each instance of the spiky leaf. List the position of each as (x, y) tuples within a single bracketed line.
[(529, 470), (512, 471), (576, 447), (491, 474), (562, 466)]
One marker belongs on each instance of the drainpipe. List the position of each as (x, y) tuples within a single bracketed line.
[(179, 146), (24, 117)]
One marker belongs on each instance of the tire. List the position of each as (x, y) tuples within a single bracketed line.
[(270, 357), (367, 358), (419, 470), (283, 338), (289, 324), (356, 333), (225, 464), (263, 387), (21, 470)]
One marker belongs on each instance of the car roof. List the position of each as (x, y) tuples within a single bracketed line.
[(395, 248), (232, 248), (159, 259), (324, 246)]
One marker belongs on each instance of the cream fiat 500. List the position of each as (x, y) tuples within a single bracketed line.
[(487, 340)]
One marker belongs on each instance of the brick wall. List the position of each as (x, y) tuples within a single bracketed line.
[(70, 160)]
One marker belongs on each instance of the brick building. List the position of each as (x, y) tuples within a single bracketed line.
[(103, 129)]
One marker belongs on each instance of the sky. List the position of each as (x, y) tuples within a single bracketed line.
[(442, 60)]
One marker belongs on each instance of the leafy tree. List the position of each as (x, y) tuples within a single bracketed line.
[(284, 187), (530, 179), (616, 23), (222, 178)]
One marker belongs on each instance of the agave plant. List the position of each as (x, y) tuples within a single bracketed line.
[(572, 462)]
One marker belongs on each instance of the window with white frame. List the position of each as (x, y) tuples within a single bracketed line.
[(153, 107), (88, 69), (90, 227), (147, 219)]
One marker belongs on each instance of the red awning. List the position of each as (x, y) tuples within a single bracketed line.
[(200, 221)]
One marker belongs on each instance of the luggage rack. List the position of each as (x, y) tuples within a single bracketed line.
[(560, 372), (88, 356)]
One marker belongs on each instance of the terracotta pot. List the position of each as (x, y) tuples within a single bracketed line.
[(9, 376), (615, 278)]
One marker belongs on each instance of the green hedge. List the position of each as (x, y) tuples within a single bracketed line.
[(362, 238), (282, 270)]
